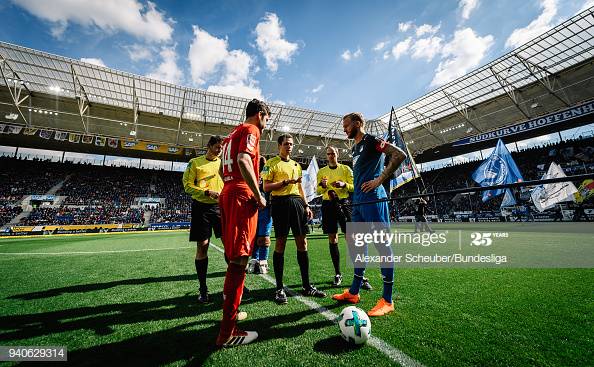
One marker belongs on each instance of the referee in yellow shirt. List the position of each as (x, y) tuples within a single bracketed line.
[(290, 211), (202, 180), (335, 182)]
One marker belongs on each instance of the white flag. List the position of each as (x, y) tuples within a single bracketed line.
[(309, 181), (547, 196)]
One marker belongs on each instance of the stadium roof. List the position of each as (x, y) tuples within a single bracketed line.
[(156, 111), (546, 74), (551, 72)]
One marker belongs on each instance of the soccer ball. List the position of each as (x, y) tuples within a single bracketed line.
[(355, 326)]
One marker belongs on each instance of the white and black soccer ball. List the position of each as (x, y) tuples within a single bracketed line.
[(355, 326)]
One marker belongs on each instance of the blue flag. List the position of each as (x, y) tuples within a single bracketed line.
[(408, 169), (498, 169)]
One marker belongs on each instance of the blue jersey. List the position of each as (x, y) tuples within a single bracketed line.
[(265, 194), (368, 164)]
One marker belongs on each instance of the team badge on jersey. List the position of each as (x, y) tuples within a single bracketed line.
[(251, 142)]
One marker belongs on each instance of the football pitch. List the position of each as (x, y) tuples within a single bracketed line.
[(131, 299)]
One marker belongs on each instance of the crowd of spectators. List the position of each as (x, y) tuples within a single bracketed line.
[(100, 195), (82, 215), (574, 156), (7, 212)]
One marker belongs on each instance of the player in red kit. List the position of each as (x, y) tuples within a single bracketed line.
[(239, 203)]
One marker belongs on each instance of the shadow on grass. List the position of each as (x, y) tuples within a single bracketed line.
[(335, 345), (83, 288), (191, 342)]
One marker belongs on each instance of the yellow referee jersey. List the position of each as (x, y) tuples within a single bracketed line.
[(339, 173), (202, 174), (277, 170)]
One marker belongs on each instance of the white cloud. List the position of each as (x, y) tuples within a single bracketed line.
[(427, 29), (543, 23), (311, 100), (237, 68), (379, 46), (426, 48), (463, 53), (130, 16), (271, 43), (401, 48), (348, 55), (587, 5), (206, 53), (386, 55), (239, 90), (318, 88), (57, 29), (138, 52), (209, 57), (168, 70), (467, 7), (92, 60), (403, 27)]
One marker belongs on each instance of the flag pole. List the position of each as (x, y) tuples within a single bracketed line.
[(412, 160)]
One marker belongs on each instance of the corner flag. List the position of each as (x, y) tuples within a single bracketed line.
[(408, 169), (498, 169), (309, 182)]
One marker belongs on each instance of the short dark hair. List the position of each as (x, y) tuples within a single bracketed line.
[(282, 138), (214, 140), (354, 117), (262, 162), (256, 106)]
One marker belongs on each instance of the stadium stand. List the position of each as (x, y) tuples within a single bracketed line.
[(111, 195), (574, 156)]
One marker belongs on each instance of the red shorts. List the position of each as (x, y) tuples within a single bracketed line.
[(239, 219)]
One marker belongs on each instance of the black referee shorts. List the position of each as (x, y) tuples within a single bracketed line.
[(335, 213), (288, 213), (206, 218)]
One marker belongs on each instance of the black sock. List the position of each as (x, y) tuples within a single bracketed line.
[(201, 270), (335, 255), (303, 260), (279, 266)]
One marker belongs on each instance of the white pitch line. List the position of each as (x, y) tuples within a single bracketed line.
[(93, 252), (394, 354)]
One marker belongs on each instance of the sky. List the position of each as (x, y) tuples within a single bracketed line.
[(331, 56)]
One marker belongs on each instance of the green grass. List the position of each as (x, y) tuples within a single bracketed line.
[(140, 307)]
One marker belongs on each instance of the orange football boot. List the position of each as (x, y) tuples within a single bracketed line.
[(381, 308), (346, 296)]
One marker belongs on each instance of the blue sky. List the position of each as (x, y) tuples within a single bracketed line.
[(333, 56)]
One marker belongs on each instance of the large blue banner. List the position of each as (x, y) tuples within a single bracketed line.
[(551, 119), (498, 169)]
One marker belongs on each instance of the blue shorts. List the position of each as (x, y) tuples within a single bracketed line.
[(378, 212), (264, 223)]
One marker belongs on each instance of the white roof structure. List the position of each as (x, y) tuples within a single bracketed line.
[(516, 80), (553, 71), (157, 111)]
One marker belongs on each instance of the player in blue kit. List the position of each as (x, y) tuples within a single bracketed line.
[(369, 173), (259, 262)]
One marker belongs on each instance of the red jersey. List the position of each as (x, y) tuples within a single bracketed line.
[(245, 138)]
